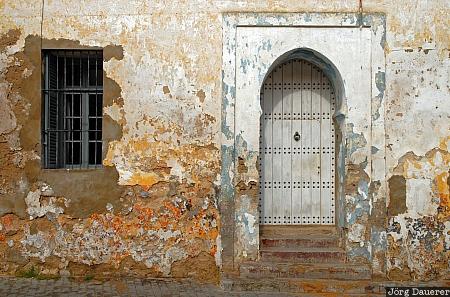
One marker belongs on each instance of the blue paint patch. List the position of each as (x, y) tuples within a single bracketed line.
[(245, 63), (374, 150), (377, 102), (383, 39), (378, 239), (262, 20), (225, 104), (267, 45), (361, 208), (380, 81), (363, 187), (341, 194), (355, 141), (307, 17), (361, 204), (262, 73), (341, 165), (349, 17), (241, 144), (227, 189), (363, 164), (366, 19), (375, 19), (358, 251), (243, 207)]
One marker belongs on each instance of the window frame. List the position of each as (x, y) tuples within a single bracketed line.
[(64, 114)]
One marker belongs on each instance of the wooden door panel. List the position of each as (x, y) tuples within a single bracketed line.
[(297, 146)]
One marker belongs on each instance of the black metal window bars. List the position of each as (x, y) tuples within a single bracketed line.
[(72, 109)]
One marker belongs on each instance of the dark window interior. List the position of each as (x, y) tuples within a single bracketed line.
[(72, 108)]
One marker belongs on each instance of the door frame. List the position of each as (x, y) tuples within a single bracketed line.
[(361, 153)]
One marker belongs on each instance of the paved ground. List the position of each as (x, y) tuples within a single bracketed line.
[(11, 287)]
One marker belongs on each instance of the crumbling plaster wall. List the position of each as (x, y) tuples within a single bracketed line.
[(163, 220), (162, 217)]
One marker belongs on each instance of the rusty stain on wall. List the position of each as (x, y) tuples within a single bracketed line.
[(397, 192), (68, 222), (418, 225)]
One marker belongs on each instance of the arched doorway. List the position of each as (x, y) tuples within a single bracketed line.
[(353, 60), (297, 146)]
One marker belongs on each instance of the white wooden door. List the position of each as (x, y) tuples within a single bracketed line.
[(297, 146)]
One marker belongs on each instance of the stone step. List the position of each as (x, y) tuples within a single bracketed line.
[(303, 255), (305, 287), (305, 242), (335, 271), (294, 231)]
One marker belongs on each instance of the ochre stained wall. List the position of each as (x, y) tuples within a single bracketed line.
[(152, 209)]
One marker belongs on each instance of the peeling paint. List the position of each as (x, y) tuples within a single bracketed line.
[(36, 207), (421, 228), (178, 191)]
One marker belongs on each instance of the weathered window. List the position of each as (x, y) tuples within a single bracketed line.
[(72, 108)]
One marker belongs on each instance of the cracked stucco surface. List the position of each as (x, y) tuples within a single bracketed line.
[(168, 156)]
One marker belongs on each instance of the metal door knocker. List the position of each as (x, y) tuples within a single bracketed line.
[(296, 136)]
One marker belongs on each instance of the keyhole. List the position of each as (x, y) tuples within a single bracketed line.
[(296, 136)]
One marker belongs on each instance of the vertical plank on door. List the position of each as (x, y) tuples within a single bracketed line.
[(266, 167), (306, 143), (277, 142), (332, 154), (287, 143), (297, 145), (262, 121), (315, 144), (325, 152)]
